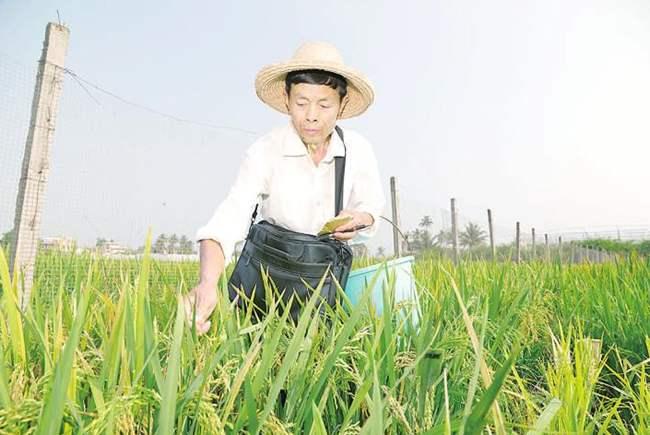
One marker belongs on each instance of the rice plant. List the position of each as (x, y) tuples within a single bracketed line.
[(103, 347)]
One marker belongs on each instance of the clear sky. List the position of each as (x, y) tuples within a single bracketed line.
[(538, 110)]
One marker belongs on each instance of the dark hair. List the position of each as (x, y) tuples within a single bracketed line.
[(317, 77)]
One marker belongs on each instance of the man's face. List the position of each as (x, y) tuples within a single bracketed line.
[(314, 110)]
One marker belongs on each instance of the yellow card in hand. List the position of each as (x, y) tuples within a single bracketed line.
[(333, 224)]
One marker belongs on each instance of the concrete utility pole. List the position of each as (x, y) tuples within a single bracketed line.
[(518, 243), (454, 230), (532, 231), (36, 164), (491, 230), (547, 249), (394, 198)]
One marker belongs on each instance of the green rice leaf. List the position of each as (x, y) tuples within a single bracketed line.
[(12, 312), (546, 417), (170, 386), (318, 426), (5, 399), (477, 421), (141, 300), (51, 416)]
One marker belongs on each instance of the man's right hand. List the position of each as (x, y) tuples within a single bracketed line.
[(203, 300), (203, 297)]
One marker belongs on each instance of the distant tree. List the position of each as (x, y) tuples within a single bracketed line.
[(160, 245), (413, 238), (472, 236), (359, 250), (7, 238), (381, 252), (426, 222), (100, 242), (172, 244), (426, 239), (443, 239), (184, 245), (419, 240)]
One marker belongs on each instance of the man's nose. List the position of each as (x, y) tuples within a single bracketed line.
[(312, 114)]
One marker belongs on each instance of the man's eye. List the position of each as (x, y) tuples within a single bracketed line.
[(301, 104), (325, 107)]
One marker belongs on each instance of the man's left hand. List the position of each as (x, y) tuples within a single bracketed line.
[(358, 218)]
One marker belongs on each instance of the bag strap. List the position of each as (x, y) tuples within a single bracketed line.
[(339, 175), (257, 204)]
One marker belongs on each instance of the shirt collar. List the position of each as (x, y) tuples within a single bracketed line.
[(293, 145)]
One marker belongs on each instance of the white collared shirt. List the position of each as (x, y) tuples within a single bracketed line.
[(293, 192)]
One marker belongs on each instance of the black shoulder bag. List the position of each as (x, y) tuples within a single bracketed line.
[(295, 262)]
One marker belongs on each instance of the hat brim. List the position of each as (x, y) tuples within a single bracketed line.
[(270, 86)]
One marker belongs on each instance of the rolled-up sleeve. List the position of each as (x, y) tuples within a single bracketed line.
[(367, 193), (230, 220)]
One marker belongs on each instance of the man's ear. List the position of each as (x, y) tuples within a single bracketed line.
[(344, 103)]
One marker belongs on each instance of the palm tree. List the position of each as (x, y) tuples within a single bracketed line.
[(443, 238), (426, 222), (419, 240), (426, 239), (472, 236)]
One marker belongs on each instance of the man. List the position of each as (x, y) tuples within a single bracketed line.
[(290, 171)]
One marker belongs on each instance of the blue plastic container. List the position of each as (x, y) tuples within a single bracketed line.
[(400, 268)]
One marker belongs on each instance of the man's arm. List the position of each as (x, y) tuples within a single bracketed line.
[(228, 225), (212, 262), (202, 299)]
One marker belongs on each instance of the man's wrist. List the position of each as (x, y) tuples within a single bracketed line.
[(208, 281)]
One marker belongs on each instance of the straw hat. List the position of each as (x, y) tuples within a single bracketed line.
[(269, 83)]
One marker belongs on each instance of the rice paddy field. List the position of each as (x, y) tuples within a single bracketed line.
[(540, 347)]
